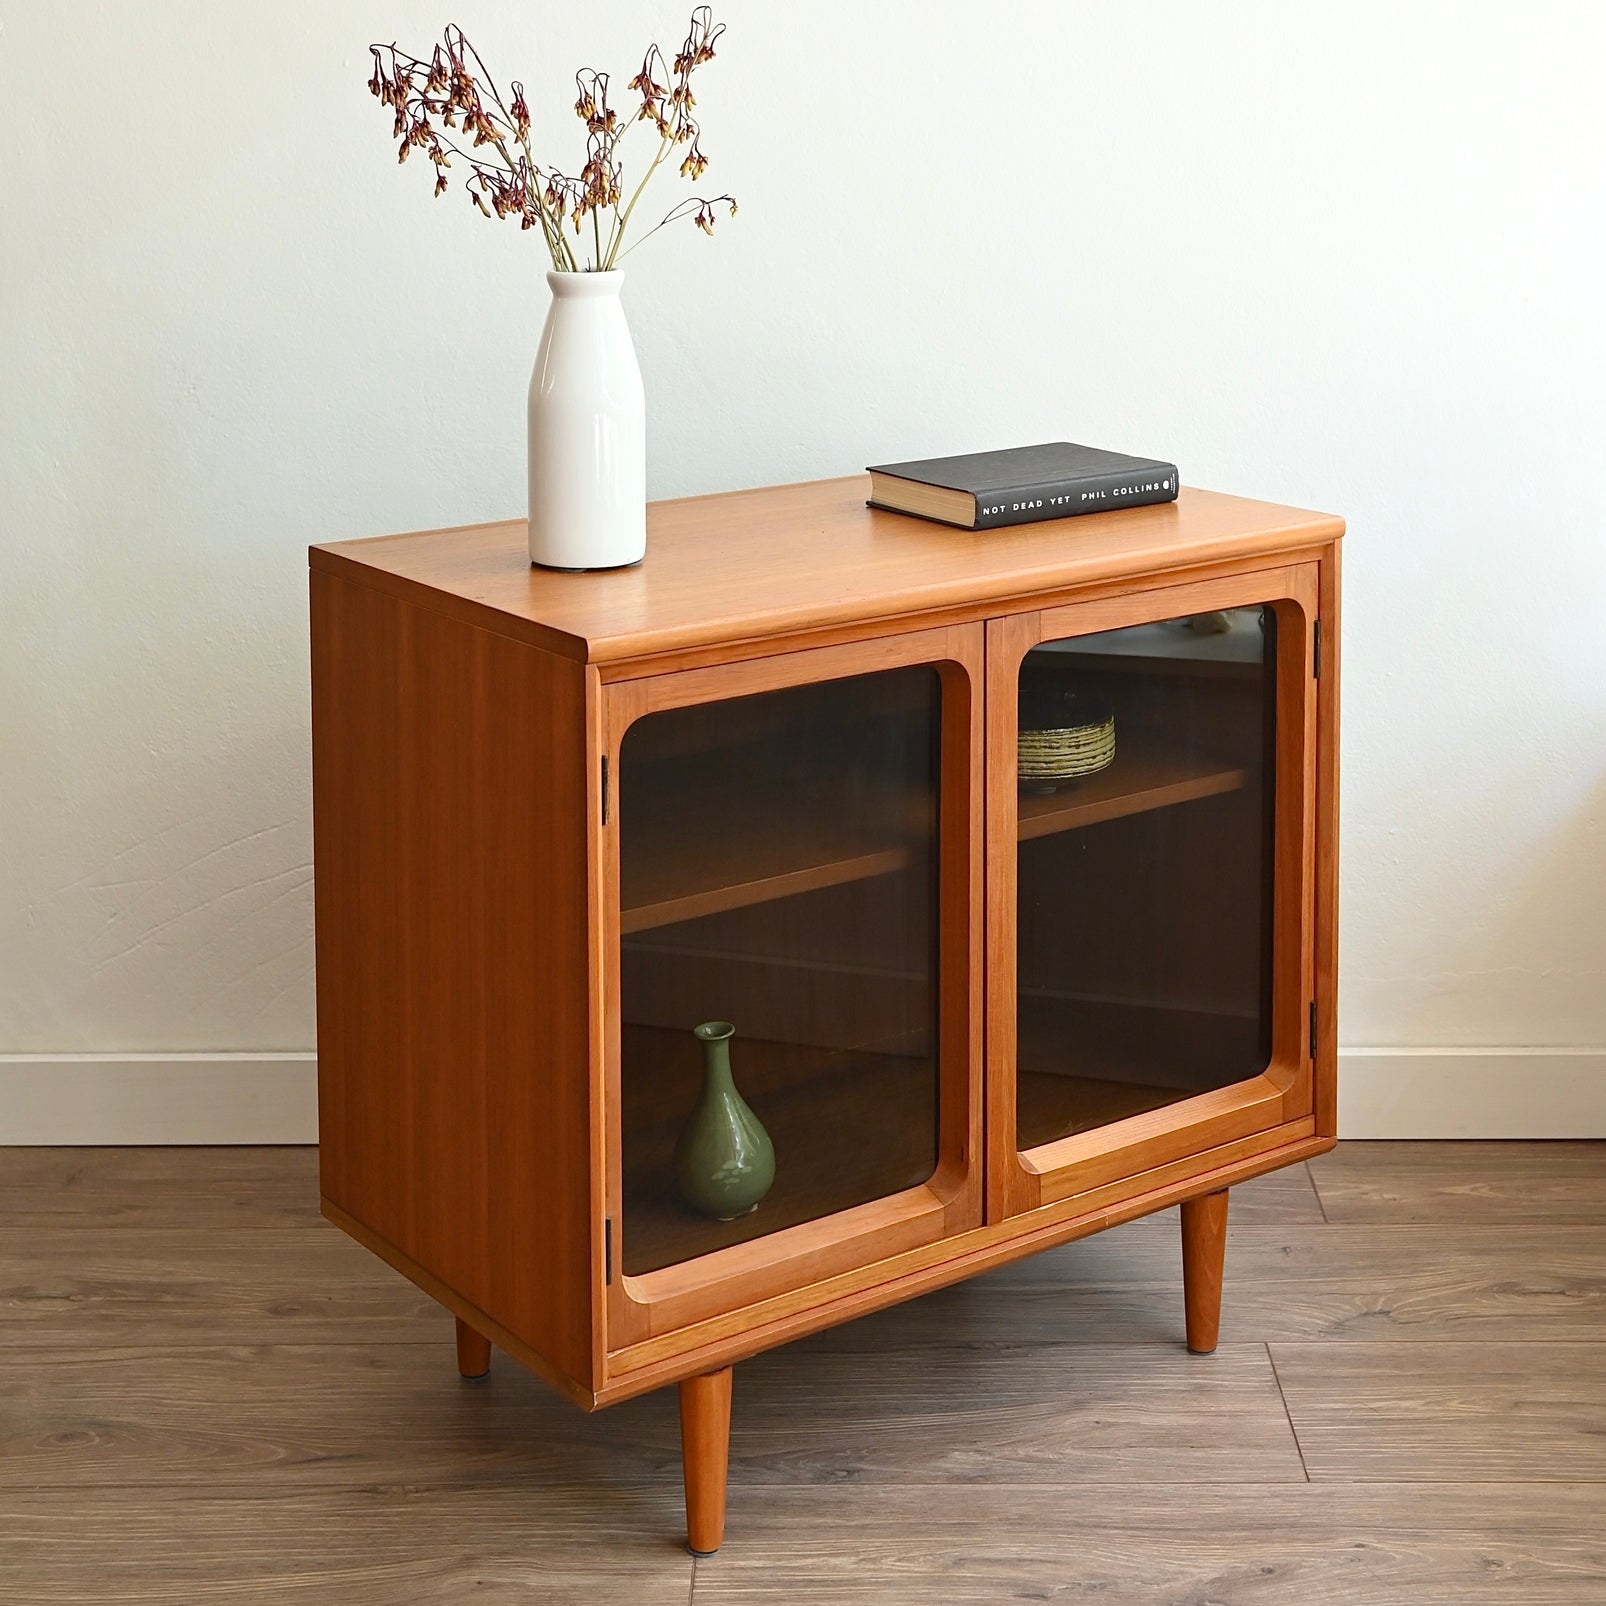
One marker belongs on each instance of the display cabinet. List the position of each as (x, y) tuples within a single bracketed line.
[(1009, 857)]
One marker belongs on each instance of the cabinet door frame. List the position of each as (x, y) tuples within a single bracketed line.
[(652, 1304), (1022, 1181)]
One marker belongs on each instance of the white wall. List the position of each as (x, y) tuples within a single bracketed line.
[(1350, 256)]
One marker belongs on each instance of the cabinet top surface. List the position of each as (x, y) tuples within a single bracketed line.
[(792, 558)]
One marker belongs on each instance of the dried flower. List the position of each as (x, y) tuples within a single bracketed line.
[(454, 90)]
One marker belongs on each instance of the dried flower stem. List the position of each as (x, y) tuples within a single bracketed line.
[(454, 87), (622, 219)]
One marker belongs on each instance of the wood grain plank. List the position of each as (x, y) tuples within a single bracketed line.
[(1036, 1433), (1004, 1413), (1468, 1412), (1142, 1544), (126, 1285), (283, 1415), (1307, 1284), (160, 1187), (1560, 1183), (562, 1545)]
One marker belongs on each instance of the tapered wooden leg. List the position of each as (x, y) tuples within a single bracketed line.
[(705, 1443), (473, 1351), (1204, 1249)]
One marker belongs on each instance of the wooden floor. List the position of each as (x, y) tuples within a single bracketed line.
[(207, 1394)]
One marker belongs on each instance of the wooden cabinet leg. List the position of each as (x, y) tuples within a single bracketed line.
[(1204, 1249), (473, 1351), (705, 1442)]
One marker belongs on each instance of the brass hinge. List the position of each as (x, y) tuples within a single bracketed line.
[(604, 788), (607, 1250), (1313, 1028), (1316, 650)]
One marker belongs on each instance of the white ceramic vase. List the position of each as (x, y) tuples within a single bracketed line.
[(588, 431)]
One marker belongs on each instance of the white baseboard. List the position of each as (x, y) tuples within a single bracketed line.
[(158, 1098), (1472, 1093), (272, 1098)]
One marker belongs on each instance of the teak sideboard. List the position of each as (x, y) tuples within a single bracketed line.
[(769, 776)]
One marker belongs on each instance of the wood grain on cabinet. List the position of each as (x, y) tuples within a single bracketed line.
[(475, 921), (744, 567), (450, 781)]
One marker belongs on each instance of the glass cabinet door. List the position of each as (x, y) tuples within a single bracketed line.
[(779, 880), (1159, 805)]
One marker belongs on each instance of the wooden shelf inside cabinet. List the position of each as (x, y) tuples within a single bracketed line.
[(760, 847), (1133, 783), (678, 869)]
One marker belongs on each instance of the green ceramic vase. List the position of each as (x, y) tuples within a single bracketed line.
[(724, 1161)]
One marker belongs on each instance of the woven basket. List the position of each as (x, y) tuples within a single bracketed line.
[(1049, 755)]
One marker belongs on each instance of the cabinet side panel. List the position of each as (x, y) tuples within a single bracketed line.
[(1327, 755), (449, 789)]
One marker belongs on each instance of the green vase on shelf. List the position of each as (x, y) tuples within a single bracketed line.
[(724, 1161)]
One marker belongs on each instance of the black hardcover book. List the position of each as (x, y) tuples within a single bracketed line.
[(983, 490)]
